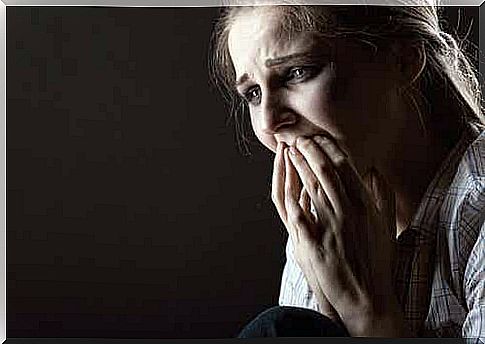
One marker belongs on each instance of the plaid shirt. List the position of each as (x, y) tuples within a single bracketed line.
[(440, 276)]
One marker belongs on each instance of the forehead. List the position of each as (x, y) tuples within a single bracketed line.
[(257, 35)]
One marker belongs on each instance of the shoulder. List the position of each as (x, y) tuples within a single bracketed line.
[(472, 164), (463, 209), (467, 187)]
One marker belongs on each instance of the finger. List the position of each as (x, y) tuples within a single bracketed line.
[(351, 190), (277, 184), (305, 200), (298, 221), (312, 185), (292, 231), (350, 180), (306, 205), (330, 147), (324, 171), (292, 180)]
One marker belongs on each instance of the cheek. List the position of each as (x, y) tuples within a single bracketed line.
[(358, 107), (356, 101), (348, 109), (267, 140), (319, 104)]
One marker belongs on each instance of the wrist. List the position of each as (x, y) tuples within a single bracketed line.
[(376, 320), (377, 325)]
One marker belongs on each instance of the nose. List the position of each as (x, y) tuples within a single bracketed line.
[(276, 114)]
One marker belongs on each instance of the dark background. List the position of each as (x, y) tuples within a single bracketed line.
[(130, 211)]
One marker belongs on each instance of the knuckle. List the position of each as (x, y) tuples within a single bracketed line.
[(299, 218), (321, 194), (322, 168), (334, 152), (307, 143), (296, 217), (323, 142), (303, 142), (276, 199), (339, 159)]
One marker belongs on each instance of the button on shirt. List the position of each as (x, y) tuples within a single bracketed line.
[(440, 276)]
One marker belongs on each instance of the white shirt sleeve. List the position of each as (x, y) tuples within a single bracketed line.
[(294, 287), (287, 289)]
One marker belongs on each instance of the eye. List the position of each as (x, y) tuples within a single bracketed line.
[(253, 95), (298, 74)]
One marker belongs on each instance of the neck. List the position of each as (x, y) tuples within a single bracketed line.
[(415, 156), (411, 173)]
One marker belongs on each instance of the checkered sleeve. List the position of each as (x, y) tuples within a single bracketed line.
[(474, 325)]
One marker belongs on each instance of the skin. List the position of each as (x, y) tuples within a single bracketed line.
[(357, 153)]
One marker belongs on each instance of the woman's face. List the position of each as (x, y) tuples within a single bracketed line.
[(307, 86)]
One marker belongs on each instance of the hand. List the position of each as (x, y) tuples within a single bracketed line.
[(278, 193), (347, 247)]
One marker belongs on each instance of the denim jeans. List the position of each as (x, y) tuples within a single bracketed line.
[(284, 321)]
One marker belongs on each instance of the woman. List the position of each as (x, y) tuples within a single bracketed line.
[(374, 117)]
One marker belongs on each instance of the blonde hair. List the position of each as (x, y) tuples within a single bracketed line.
[(448, 70)]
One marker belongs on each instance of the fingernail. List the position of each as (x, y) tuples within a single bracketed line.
[(300, 140), (292, 151)]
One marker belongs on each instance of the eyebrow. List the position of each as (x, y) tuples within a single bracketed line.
[(283, 59), (275, 62)]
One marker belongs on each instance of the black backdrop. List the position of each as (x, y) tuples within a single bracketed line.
[(130, 211)]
